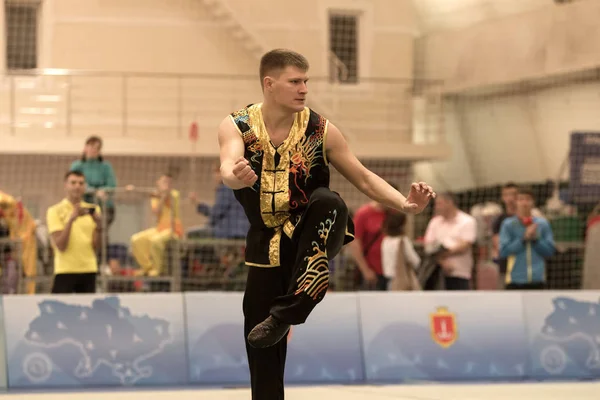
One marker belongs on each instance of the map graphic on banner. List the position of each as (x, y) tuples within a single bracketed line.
[(68, 344), (567, 342), (584, 161), (433, 336), (324, 350)]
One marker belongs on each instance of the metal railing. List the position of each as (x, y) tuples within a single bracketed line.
[(76, 103), (217, 264)]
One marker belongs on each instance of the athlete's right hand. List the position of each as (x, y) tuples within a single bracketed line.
[(244, 173)]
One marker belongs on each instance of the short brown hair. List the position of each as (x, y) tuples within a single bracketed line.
[(451, 197), (394, 224), (279, 59), (510, 185), (93, 140), (74, 173), (526, 191)]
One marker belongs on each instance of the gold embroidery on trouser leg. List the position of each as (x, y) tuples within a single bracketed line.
[(275, 247), (315, 279)]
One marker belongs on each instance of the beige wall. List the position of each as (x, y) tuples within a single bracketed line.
[(183, 36), (176, 36), (151, 114), (550, 40), (387, 30), (521, 134)]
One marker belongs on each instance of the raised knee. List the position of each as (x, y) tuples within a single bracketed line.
[(331, 201)]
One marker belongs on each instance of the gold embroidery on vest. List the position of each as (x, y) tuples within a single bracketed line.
[(274, 182)]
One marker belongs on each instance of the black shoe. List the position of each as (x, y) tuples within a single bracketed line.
[(268, 333)]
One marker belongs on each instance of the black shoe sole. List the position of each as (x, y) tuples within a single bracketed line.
[(266, 340)]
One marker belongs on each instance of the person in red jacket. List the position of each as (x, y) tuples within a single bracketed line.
[(366, 248)]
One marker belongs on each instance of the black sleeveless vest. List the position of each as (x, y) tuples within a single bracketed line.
[(287, 176)]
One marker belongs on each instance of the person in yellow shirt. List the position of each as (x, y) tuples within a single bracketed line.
[(21, 225), (75, 228), (148, 246)]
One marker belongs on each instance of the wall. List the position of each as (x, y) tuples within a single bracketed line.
[(67, 342), (549, 40), (124, 44), (182, 36), (438, 15), (516, 137), (387, 30), (141, 36), (502, 132)]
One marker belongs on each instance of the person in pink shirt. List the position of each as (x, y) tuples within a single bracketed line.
[(455, 232)]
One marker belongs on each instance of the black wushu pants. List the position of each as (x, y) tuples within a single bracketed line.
[(291, 291)]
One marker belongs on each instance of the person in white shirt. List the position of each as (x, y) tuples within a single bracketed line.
[(455, 232), (398, 256)]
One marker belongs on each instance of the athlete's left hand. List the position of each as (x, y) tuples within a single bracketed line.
[(418, 198)]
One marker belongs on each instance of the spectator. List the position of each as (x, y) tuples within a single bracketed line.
[(99, 176), (454, 232), (148, 246), (509, 200), (75, 229), (366, 246), (398, 256), (526, 241), (227, 219), (20, 226)]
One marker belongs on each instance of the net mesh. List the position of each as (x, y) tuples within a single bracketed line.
[(539, 135), (379, 114)]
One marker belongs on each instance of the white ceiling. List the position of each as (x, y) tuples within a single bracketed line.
[(452, 14)]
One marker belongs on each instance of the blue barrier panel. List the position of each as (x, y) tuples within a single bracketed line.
[(325, 349), (3, 377), (564, 334), (215, 334), (443, 336), (91, 340)]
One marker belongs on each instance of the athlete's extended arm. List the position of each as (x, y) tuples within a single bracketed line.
[(235, 169), (376, 188)]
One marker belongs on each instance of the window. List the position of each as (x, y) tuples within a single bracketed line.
[(21, 34), (343, 48)]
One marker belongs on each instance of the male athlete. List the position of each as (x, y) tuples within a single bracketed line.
[(276, 156)]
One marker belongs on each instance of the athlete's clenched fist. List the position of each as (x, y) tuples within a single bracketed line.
[(244, 173)]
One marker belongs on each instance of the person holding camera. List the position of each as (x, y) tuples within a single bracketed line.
[(75, 229)]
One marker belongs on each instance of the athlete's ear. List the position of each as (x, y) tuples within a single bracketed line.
[(268, 82)]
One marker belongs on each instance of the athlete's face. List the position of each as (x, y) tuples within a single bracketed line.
[(289, 88)]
